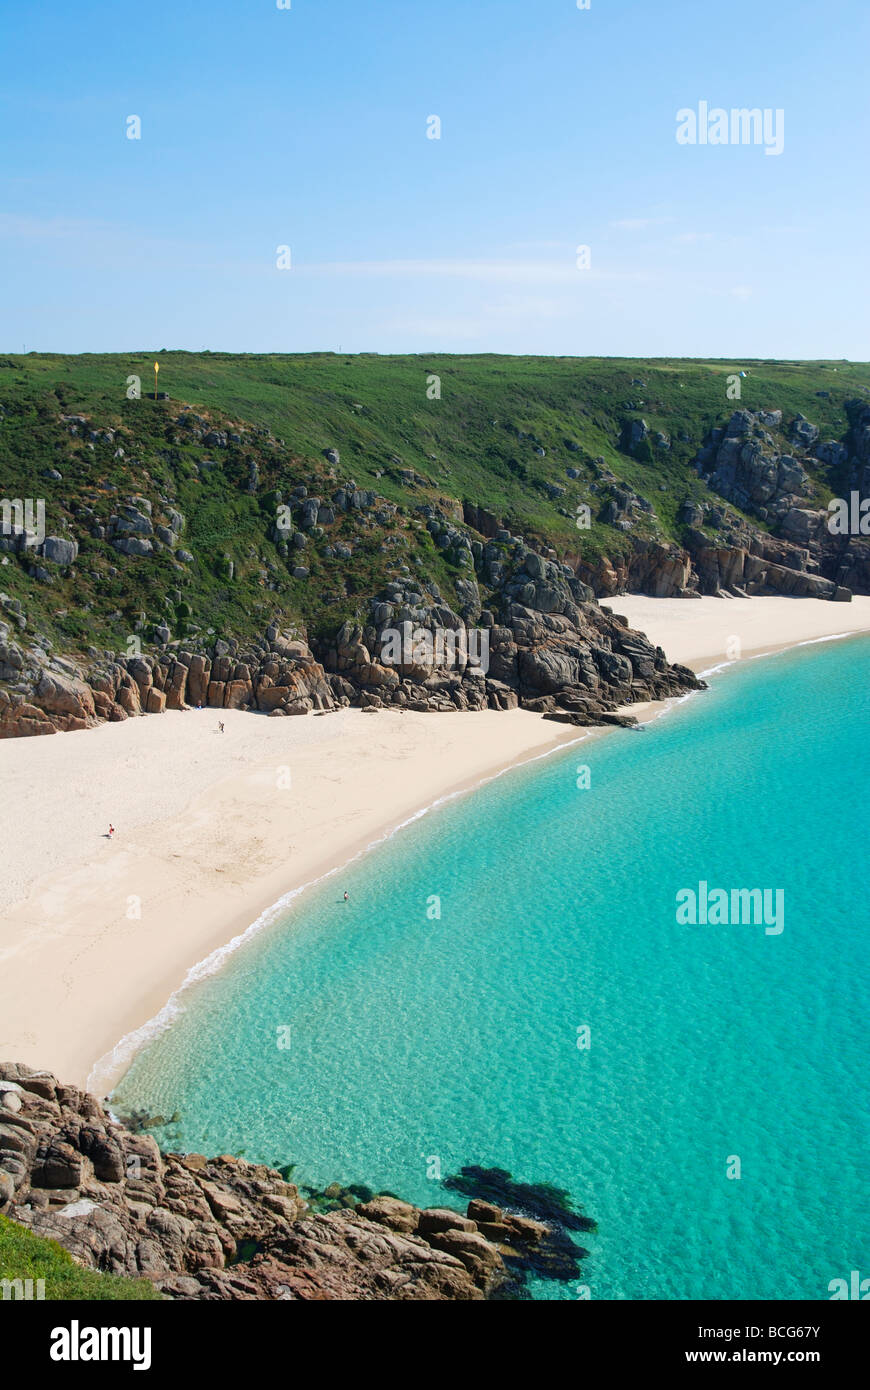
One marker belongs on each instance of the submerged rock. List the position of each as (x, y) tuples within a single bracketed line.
[(531, 1224)]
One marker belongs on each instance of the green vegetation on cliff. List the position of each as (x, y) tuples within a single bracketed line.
[(25, 1257), (525, 440)]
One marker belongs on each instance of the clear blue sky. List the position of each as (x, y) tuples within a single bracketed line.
[(307, 127)]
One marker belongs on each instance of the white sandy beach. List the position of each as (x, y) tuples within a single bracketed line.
[(701, 632), (212, 829)]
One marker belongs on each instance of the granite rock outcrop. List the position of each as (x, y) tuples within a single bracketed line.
[(224, 1228)]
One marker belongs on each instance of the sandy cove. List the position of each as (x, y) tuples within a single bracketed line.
[(208, 836), (699, 632), (213, 829)]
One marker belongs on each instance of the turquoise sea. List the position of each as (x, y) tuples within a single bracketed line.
[(421, 1043)]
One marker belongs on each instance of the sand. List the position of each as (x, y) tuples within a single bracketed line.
[(704, 632), (214, 829), (211, 830)]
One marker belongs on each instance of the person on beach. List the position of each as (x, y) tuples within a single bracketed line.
[(111, 831), (221, 725)]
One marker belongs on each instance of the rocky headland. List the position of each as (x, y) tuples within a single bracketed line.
[(224, 1228)]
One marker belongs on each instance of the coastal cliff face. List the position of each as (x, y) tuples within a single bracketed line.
[(224, 1228), (768, 469), (161, 555), (550, 649), (764, 466)]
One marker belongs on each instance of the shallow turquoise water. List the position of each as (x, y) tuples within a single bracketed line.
[(415, 1039)]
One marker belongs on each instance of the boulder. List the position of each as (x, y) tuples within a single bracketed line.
[(60, 694), (238, 694), (802, 526), (472, 1249), (438, 1219), (176, 686), (134, 545), (391, 1212), (59, 550), (197, 680), (57, 1165), (128, 699), (272, 697)]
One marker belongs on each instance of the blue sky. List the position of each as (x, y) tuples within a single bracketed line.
[(307, 128)]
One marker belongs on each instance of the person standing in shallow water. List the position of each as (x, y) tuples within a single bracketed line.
[(345, 895)]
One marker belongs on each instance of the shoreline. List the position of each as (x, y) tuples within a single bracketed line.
[(85, 984), (79, 977), (675, 624), (109, 1068)]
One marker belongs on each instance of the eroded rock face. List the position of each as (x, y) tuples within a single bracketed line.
[(743, 464), (549, 640), (45, 699), (550, 646), (223, 1228), (55, 700), (655, 568)]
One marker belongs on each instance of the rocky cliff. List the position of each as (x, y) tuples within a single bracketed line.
[(769, 470), (548, 647), (746, 462), (224, 1228), (158, 554)]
